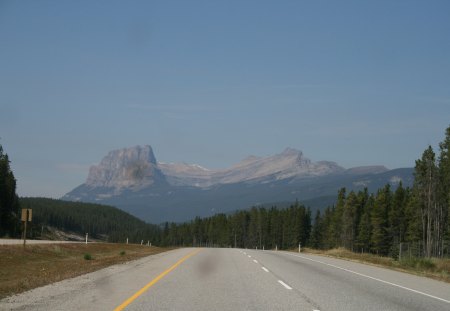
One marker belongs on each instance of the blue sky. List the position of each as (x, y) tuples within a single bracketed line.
[(211, 82)]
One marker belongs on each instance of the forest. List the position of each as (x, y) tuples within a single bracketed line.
[(391, 221), (99, 221), (415, 221)]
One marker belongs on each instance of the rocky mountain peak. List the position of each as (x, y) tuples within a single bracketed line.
[(291, 152), (134, 168)]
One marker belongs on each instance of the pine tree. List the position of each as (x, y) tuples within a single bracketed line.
[(365, 226), (336, 231), (349, 220), (9, 201), (444, 182), (425, 185), (397, 215), (317, 232), (379, 218)]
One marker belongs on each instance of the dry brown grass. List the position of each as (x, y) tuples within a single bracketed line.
[(435, 268), (22, 268)]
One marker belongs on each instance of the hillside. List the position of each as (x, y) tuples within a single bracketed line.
[(99, 221), (133, 180)]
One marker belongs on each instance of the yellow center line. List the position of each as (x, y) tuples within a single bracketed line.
[(154, 281)]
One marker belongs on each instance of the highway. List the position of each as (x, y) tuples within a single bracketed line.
[(238, 279)]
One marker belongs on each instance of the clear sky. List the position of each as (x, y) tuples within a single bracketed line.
[(211, 82)]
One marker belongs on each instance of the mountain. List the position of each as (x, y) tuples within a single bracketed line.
[(134, 168), (135, 181), (290, 163)]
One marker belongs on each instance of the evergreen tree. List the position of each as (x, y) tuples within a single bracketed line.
[(349, 220), (397, 215), (425, 185), (379, 219), (444, 182), (365, 227), (317, 232), (9, 202), (336, 229)]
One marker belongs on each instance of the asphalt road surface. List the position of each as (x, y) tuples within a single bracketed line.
[(238, 279)]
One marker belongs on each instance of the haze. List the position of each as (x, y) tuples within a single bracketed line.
[(212, 82)]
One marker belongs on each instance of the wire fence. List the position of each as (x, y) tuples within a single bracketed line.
[(417, 250)]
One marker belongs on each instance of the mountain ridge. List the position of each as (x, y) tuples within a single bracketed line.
[(132, 179)]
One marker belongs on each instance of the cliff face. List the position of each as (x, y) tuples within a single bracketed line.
[(133, 180), (133, 168)]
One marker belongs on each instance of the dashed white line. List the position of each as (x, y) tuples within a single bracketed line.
[(265, 269), (284, 284), (249, 256), (372, 278), (255, 261)]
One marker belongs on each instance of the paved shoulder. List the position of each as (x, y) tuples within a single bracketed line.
[(101, 290)]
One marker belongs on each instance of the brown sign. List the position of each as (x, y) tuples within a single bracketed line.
[(26, 212)]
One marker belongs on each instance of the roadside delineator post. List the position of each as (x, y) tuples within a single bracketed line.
[(87, 234)]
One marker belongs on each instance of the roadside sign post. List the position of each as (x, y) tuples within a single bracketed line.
[(25, 217)]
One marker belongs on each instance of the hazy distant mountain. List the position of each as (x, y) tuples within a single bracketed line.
[(133, 180), (290, 163), (132, 168)]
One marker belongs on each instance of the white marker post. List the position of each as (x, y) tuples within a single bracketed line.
[(299, 247), (142, 242), (86, 237), (127, 240)]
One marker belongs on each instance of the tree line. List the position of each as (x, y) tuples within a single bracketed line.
[(254, 228), (99, 221), (360, 221), (9, 201)]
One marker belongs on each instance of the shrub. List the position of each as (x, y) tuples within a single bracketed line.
[(418, 263), (87, 256)]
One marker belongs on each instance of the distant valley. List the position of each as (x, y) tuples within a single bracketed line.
[(133, 180)]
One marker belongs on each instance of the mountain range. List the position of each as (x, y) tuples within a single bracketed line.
[(133, 180)]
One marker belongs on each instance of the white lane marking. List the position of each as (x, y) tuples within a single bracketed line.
[(255, 261), (249, 256), (245, 253), (284, 284), (372, 278), (265, 269)]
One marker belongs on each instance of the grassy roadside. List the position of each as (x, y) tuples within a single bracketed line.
[(38, 265), (435, 268)]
